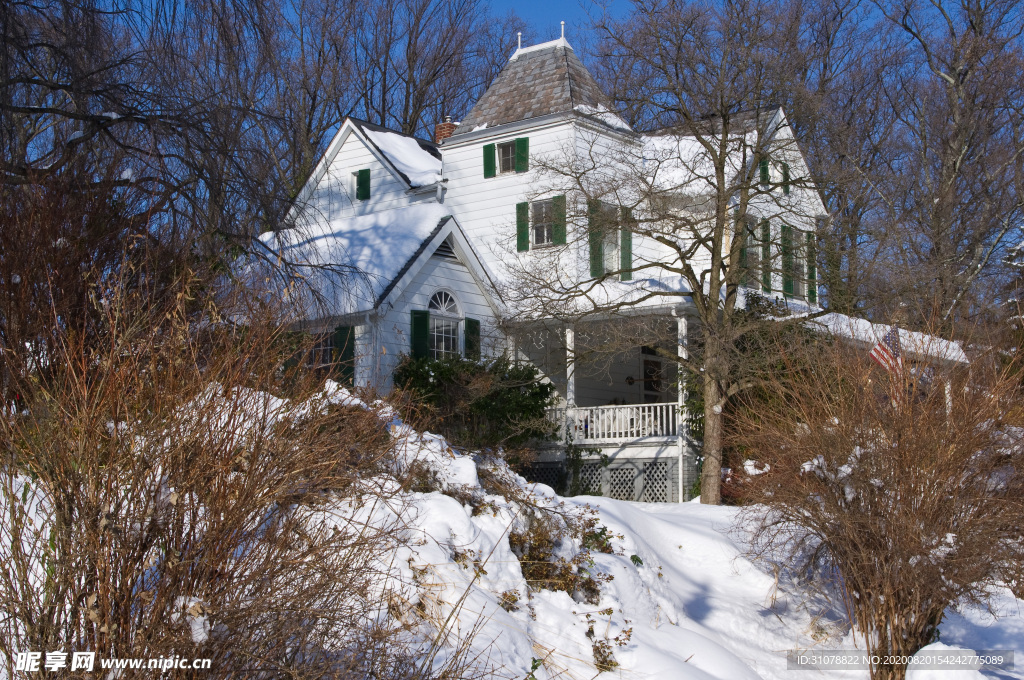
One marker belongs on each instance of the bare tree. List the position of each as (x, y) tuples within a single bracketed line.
[(839, 107), (956, 181), (420, 60)]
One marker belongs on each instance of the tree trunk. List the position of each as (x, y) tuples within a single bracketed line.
[(711, 472)]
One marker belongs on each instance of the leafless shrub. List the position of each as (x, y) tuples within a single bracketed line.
[(908, 488), (158, 500)]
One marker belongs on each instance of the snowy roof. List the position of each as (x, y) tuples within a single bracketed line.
[(353, 262), (913, 344), (677, 160), (538, 80), (416, 160)]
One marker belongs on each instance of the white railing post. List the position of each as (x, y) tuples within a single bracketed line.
[(619, 422), (571, 416)]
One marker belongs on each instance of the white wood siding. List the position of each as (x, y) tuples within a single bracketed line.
[(335, 195), (486, 208)]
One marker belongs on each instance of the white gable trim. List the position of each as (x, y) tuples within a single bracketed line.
[(347, 129), (467, 256)]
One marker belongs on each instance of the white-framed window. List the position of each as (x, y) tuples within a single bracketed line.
[(321, 354), (445, 318), (608, 218), (542, 221), (506, 157), (612, 237)]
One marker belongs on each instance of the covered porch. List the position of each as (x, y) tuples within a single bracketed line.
[(620, 401)]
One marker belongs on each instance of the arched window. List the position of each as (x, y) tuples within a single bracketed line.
[(444, 325)]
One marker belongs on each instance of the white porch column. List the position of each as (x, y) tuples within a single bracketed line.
[(682, 433), (570, 381), (570, 366)]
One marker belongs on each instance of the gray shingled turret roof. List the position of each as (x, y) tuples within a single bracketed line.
[(538, 80)]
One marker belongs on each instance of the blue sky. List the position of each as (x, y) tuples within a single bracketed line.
[(545, 15)]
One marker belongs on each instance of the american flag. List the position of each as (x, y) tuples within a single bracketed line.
[(887, 352)]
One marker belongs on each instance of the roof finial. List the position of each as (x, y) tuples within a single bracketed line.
[(520, 34), (563, 30)]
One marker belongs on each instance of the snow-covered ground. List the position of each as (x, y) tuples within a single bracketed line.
[(679, 599), (694, 604)]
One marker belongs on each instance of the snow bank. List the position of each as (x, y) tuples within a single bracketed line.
[(684, 600), (680, 599)]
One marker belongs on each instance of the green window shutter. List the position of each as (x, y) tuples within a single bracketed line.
[(558, 214), (473, 339), (765, 173), (490, 167), (363, 184), (785, 178), (420, 334), (787, 260), (294, 360), (344, 354), (522, 154), (766, 256), (522, 227), (626, 245), (596, 238), (812, 269)]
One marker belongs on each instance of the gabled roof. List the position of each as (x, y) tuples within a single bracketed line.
[(353, 261), (356, 264), (537, 81), (416, 160)]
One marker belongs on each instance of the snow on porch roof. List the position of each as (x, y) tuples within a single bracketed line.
[(916, 345), (353, 261), (416, 160)]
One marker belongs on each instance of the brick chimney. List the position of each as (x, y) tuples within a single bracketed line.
[(443, 131)]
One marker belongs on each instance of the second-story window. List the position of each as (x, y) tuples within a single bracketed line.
[(612, 236), (543, 222), (507, 157), (605, 238), (540, 223), (799, 269)]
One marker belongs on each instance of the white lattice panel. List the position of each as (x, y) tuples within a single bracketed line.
[(655, 482), (590, 479), (546, 474), (620, 483)]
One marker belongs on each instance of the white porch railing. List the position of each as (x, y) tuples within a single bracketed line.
[(619, 423)]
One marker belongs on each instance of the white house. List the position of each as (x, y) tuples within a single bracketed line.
[(412, 243)]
